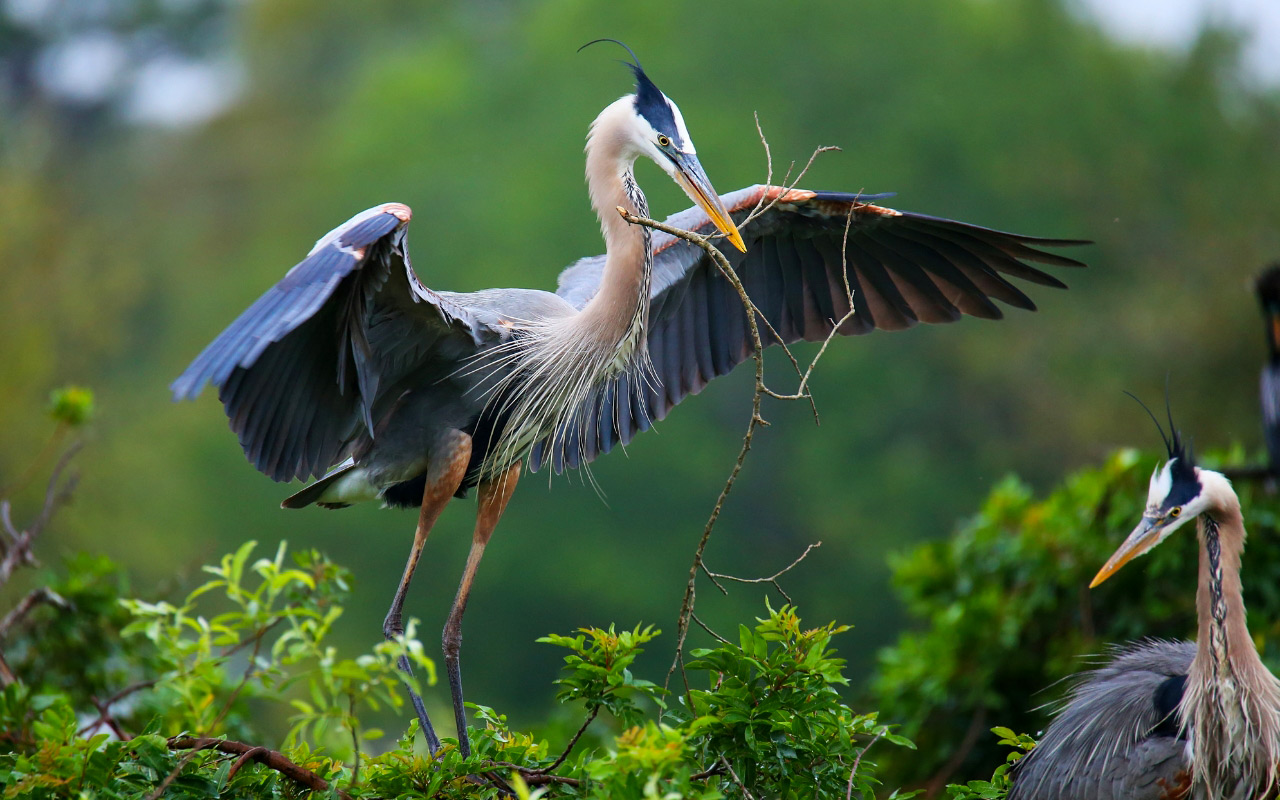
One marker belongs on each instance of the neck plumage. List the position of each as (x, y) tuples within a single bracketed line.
[(619, 312), (1232, 703)]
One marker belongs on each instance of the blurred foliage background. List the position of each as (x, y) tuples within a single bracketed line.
[(129, 244)]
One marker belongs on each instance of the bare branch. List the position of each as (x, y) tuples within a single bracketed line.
[(17, 551), (104, 707), (33, 598), (705, 627), (271, 759), (745, 792), (848, 792), (772, 579), (569, 747)]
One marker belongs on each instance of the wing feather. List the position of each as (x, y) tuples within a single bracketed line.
[(903, 268), (307, 365)]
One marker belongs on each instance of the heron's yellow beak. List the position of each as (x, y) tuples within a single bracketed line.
[(694, 181), (1143, 538)]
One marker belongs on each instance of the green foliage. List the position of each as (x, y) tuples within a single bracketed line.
[(1007, 611), (252, 641), (773, 712), (998, 787), (597, 670)]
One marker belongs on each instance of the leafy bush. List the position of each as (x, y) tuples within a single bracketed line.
[(760, 716)]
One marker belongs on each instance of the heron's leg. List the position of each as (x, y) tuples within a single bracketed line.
[(444, 476), (493, 497)]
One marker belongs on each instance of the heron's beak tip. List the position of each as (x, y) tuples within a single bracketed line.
[(735, 239)]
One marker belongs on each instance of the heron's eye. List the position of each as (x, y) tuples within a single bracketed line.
[(663, 141), (1175, 511)]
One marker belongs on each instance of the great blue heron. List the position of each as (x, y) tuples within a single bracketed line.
[(423, 394), (1169, 719)]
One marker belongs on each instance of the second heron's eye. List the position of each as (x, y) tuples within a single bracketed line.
[(663, 141), (1175, 511)]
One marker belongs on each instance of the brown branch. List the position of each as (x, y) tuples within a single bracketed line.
[(706, 628), (17, 551), (686, 608), (745, 792), (33, 598), (271, 759), (848, 792), (104, 707), (569, 747), (772, 579)]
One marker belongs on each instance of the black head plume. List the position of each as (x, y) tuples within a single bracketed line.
[(651, 103), (1182, 467)]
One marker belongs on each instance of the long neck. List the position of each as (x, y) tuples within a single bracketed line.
[(1232, 706), (619, 310)]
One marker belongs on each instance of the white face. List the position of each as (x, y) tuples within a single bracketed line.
[(1168, 515)]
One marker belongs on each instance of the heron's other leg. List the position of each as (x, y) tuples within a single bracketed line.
[(444, 476), (493, 497)]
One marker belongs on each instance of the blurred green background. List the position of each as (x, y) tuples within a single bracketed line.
[(129, 244)]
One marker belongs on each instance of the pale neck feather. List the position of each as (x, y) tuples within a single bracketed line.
[(1231, 707)]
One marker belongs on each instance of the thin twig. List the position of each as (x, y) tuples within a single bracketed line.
[(569, 747), (686, 609), (18, 550), (111, 701), (716, 769), (848, 792), (772, 579), (706, 628), (745, 791), (271, 759), (33, 598)]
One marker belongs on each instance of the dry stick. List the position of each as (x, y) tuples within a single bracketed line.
[(722, 264), (848, 792), (772, 579), (704, 626), (569, 747), (106, 705), (271, 759), (746, 792), (17, 551), (686, 608), (34, 598)]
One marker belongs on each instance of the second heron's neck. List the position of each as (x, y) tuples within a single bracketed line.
[(619, 311), (1232, 704)]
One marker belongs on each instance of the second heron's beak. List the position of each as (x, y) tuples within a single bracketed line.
[(1143, 538), (688, 173)]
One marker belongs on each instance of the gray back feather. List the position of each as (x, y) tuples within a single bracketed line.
[(1108, 741)]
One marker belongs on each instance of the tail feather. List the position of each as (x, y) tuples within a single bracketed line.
[(312, 494)]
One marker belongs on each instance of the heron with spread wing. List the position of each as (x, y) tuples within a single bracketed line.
[(1171, 720), (418, 395)]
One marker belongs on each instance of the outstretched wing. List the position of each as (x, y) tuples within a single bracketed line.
[(1118, 735), (308, 365), (901, 267)]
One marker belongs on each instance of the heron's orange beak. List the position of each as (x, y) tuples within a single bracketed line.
[(694, 181), (1144, 537)]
